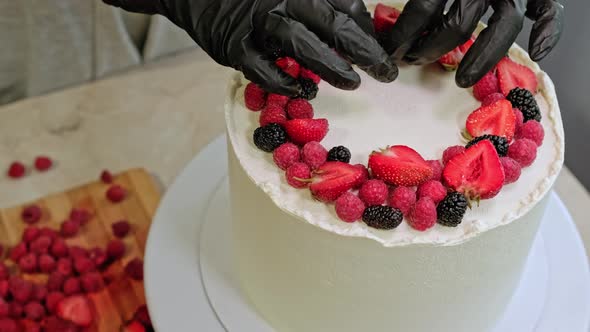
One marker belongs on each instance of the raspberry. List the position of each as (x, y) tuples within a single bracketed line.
[(299, 109), (8, 325), (512, 169), (28, 263), (98, 256), (47, 263), (76, 251), (31, 214), (106, 177), (272, 114), (286, 155), (277, 100), (142, 315), (43, 163), (306, 73), (4, 272), (134, 269), (64, 266), (437, 169), (4, 308), (432, 189), (72, 286), (21, 289), (314, 155), (55, 282), (41, 244), (121, 228), (16, 170), (524, 151), (486, 86), (519, 120), (451, 152), (30, 234), (52, 234), (492, 98), (423, 214), (532, 130), (115, 249), (297, 172), (30, 326), (80, 215), (16, 310), (39, 292), (70, 228), (83, 264), (59, 248), (18, 251), (349, 207), (52, 300), (92, 282), (55, 324), (402, 198), (289, 66), (374, 192), (4, 288), (365, 175), (254, 97), (34, 311), (116, 193)]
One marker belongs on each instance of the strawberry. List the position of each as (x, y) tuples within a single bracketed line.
[(333, 179), (76, 309), (477, 173), (289, 66), (400, 166), (302, 131), (133, 326), (385, 18), (513, 75), (486, 86), (495, 119), (451, 60)]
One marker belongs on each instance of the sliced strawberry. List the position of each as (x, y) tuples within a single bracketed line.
[(495, 119), (400, 165), (451, 60), (76, 309), (133, 326), (289, 66), (333, 179), (302, 131), (477, 173), (513, 75), (385, 18)]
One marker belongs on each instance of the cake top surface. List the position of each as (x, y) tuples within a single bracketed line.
[(423, 109)]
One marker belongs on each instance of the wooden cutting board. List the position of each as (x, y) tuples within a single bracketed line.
[(117, 303)]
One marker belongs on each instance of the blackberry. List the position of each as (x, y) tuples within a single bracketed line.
[(270, 137), (382, 217), (451, 210), (339, 153), (309, 89), (500, 143), (524, 100)]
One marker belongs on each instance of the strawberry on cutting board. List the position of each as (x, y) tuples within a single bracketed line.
[(385, 17), (333, 179), (496, 119), (451, 60), (400, 165), (76, 309), (513, 75), (477, 173), (302, 131)]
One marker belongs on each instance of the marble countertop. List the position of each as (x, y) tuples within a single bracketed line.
[(157, 117)]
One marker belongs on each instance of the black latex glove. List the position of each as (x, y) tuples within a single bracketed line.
[(444, 32), (322, 35)]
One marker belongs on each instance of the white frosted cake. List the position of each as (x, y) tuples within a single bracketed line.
[(304, 269)]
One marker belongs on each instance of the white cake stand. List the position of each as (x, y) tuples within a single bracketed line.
[(190, 285)]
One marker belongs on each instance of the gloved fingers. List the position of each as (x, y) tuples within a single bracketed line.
[(414, 20), (340, 31), (356, 10), (298, 42), (548, 16), (455, 29), (492, 43)]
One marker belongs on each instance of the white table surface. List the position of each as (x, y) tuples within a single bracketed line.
[(157, 117)]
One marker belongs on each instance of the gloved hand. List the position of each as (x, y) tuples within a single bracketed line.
[(322, 35), (423, 33)]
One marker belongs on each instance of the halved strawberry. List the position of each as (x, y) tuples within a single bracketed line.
[(76, 309), (133, 326), (400, 165), (451, 60), (477, 173), (513, 75), (302, 131), (385, 18), (495, 119), (333, 179), (289, 66)]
